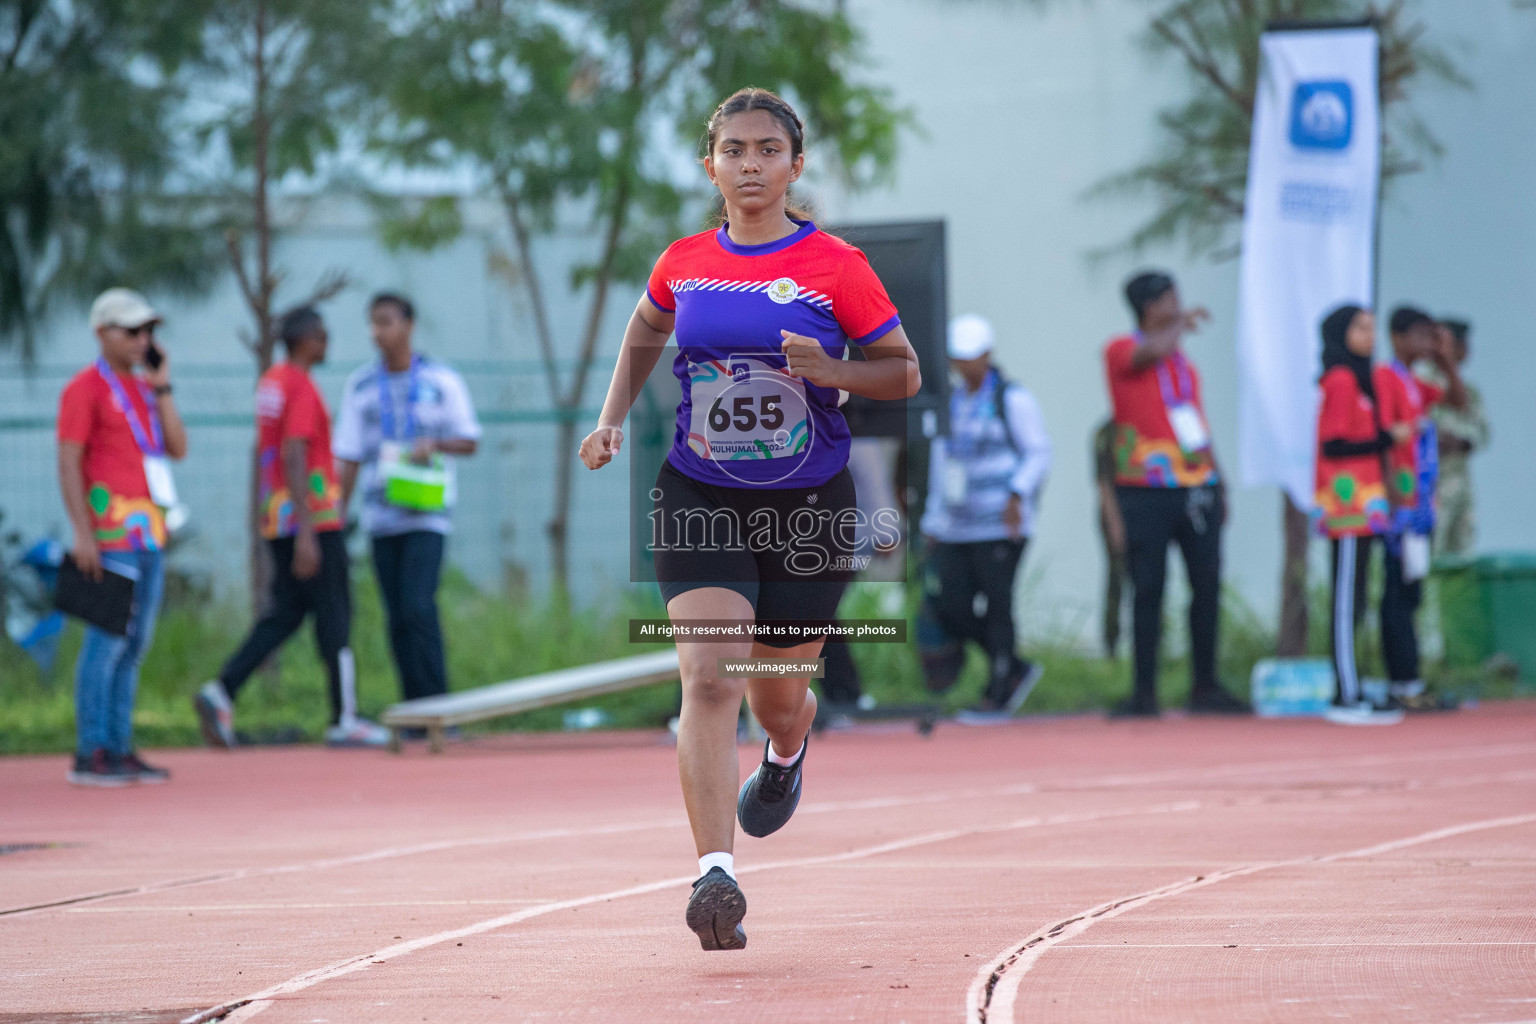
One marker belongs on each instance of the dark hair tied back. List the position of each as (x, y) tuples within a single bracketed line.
[(744, 101)]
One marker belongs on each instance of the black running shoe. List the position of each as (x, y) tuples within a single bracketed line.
[(1218, 701), (1133, 707), (144, 772), (770, 795), (715, 911), (100, 769)]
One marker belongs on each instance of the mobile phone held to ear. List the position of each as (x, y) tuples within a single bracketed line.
[(153, 357)]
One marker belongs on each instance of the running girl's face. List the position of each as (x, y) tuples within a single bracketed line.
[(1361, 336), (751, 162)]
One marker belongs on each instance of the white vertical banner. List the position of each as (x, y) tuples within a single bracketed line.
[(1309, 237)]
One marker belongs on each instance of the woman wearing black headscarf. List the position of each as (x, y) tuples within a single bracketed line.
[(1351, 505)]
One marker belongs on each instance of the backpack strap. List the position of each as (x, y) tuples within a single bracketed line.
[(999, 391)]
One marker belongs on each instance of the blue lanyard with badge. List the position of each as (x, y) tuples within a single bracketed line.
[(407, 483), (1184, 416), (968, 413), (150, 439), (1410, 539)]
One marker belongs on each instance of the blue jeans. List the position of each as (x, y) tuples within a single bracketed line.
[(107, 674)]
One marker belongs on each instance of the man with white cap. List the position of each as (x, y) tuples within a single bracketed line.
[(117, 429), (984, 484)]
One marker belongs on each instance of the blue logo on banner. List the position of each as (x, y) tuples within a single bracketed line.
[(1322, 115)]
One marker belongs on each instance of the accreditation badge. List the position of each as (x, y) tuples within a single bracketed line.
[(1189, 427), (162, 484)]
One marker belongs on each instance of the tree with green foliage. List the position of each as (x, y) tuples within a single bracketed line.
[(593, 106), (1198, 177), (88, 91)]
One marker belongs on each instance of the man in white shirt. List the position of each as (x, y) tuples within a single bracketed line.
[(403, 421), (984, 484)]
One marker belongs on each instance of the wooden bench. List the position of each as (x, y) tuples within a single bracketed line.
[(517, 695)]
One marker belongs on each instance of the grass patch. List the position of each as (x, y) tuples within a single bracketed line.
[(491, 638)]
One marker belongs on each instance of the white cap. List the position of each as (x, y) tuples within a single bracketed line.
[(122, 307), (970, 337)]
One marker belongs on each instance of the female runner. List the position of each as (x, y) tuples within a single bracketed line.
[(763, 309)]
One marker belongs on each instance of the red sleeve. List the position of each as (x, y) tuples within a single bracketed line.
[(301, 410), (659, 288), (1118, 356), (862, 307), (1340, 393), (77, 411)]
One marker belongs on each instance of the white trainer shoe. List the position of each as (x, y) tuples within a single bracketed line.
[(359, 732), (215, 714), (1363, 713)]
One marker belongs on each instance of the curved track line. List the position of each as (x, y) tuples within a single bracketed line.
[(872, 803), (991, 997), (399, 949)]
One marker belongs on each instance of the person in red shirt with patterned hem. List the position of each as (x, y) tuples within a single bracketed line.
[(1169, 489), (1404, 400), (300, 519), (1351, 506), (116, 430)]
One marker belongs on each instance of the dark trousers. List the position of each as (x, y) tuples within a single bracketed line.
[(1114, 591), (1399, 638), (408, 567), (327, 596), (1351, 567), (1190, 517), (954, 576)]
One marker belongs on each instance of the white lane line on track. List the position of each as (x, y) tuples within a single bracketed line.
[(993, 992), (872, 803), (211, 907), (357, 963)]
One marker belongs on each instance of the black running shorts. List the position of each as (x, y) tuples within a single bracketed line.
[(788, 551)]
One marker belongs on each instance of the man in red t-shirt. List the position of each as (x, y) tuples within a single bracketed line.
[(116, 431), (301, 521), (1404, 400), (1169, 489)]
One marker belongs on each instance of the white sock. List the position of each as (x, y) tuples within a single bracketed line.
[(784, 762), (724, 861)]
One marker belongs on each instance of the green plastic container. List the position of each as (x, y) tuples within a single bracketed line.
[(1488, 607)]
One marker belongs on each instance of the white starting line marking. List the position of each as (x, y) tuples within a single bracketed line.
[(995, 989), (212, 907)]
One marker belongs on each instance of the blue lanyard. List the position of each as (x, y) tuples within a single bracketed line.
[(1185, 389), (151, 442), (969, 426), (386, 403), (1415, 393)]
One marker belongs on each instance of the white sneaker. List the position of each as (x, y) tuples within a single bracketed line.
[(357, 733), (1363, 713), (215, 714)]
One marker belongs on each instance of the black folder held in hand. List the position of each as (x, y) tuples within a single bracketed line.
[(106, 604)]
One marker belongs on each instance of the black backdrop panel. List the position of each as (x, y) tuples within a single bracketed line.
[(909, 258)]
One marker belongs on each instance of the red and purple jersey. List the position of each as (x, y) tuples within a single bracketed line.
[(744, 421)]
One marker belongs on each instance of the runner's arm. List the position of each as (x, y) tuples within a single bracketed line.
[(644, 339), (346, 479), (888, 371)]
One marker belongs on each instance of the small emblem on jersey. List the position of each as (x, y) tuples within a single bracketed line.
[(741, 372), (783, 290)]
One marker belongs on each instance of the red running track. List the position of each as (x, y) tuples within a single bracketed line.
[(1061, 870)]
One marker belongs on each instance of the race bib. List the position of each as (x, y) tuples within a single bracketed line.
[(1189, 427), (410, 485), (162, 485), (745, 408)]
